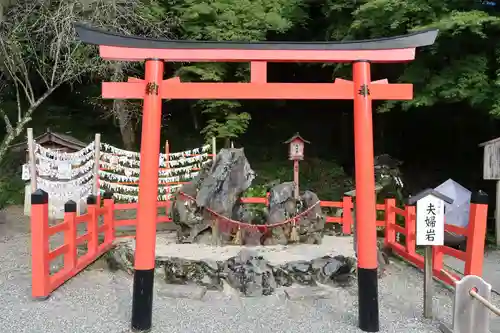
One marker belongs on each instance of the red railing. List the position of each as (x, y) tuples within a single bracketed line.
[(43, 282), (475, 233), (345, 220), (133, 206)]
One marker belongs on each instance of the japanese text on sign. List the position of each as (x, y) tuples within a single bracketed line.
[(430, 221)]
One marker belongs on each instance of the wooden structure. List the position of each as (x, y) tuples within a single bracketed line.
[(491, 171), (430, 225), (52, 140), (296, 147), (296, 153)]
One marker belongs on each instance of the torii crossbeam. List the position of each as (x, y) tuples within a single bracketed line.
[(154, 88)]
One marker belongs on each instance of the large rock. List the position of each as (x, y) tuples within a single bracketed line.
[(312, 224), (217, 188), (203, 207), (283, 206), (228, 178)]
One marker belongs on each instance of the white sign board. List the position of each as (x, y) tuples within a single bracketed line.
[(491, 161), (64, 170), (430, 221)]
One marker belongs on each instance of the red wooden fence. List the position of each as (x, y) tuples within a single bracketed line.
[(43, 282)]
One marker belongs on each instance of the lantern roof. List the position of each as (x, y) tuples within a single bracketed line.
[(296, 137)]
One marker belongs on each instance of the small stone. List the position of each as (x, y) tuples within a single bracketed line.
[(188, 291), (250, 273), (253, 285), (331, 268), (320, 262), (282, 277), (268, 283), (304, 279), (121, 257)]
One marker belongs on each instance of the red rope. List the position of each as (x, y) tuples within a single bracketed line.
[(254, 226)]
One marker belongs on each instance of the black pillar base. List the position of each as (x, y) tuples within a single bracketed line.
[(142, 300), (368, 300)]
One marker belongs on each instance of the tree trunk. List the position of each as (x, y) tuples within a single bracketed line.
[(195, 119), (20, 125), (124, 118), (7, 140)]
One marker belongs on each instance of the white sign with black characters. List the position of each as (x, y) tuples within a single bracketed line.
[(430, 221)]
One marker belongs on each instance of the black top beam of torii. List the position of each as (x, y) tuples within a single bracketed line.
[(97, 36)]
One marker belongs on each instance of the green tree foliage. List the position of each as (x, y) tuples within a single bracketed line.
[(463, 65), (235, 20), (461, 69), (39, 52)]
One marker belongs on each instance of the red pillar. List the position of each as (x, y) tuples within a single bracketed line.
[(142, 299), (477, 233), (40, 264), (365, 200)]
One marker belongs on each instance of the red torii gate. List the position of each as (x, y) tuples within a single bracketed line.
[(154, 88)]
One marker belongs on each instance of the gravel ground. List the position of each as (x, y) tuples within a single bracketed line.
[(100, 301)]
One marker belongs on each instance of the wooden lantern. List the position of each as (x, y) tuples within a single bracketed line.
[(296, 147)]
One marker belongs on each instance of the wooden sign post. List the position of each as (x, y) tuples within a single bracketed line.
[(296, 154), (430, 232), (491, 171), (32, 160)]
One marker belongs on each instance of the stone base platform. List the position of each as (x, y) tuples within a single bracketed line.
[(253, 271)]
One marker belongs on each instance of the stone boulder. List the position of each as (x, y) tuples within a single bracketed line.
[(217, 188), (208, 204), (283, 206)]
